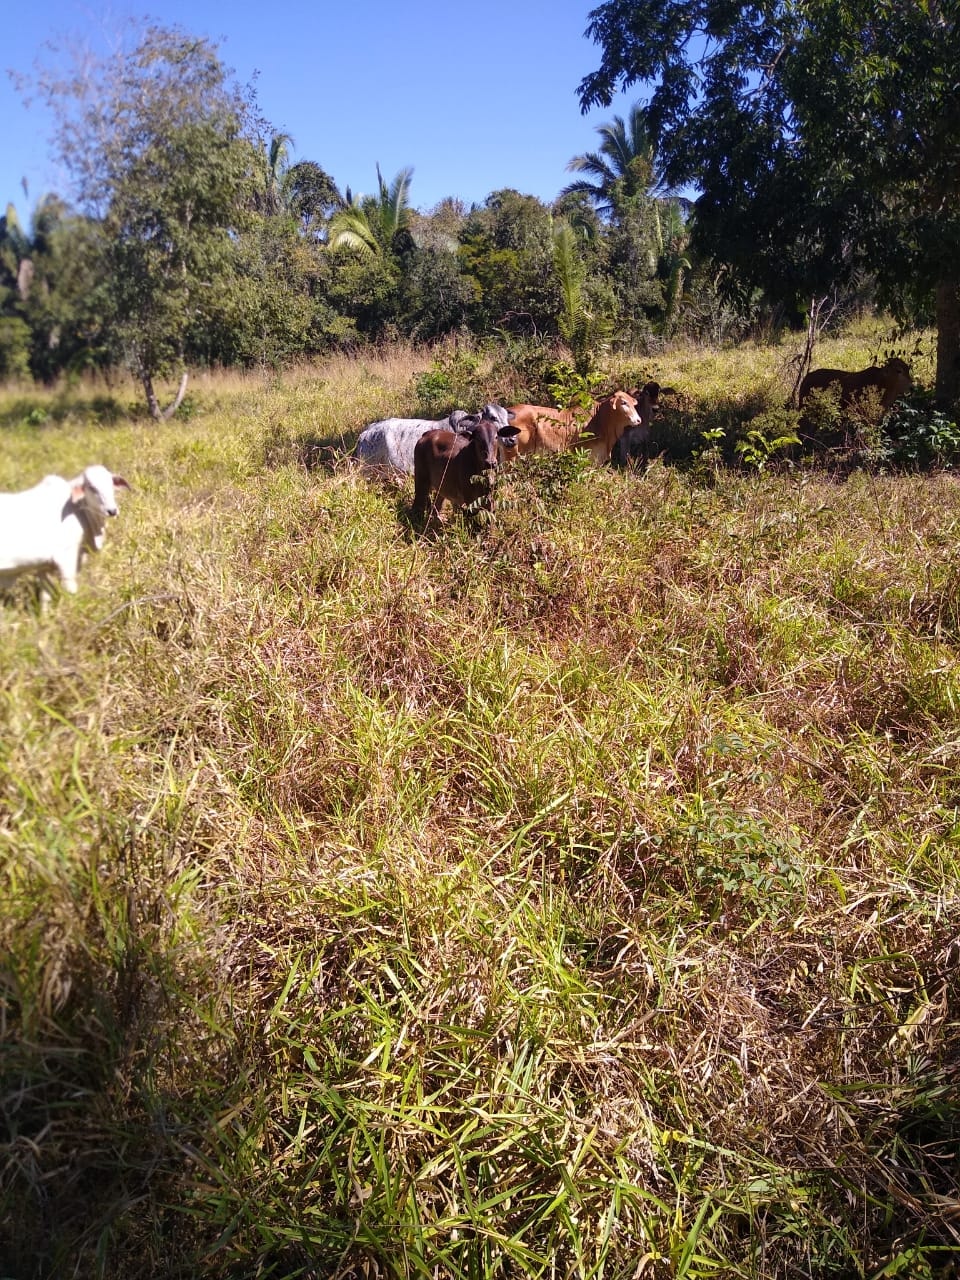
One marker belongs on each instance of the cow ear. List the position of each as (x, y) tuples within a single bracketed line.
[(120, 482), (76, 493), (467, 425), (509, 434)]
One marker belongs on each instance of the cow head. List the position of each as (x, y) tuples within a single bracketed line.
[(96, 489), (498, 414), (626, 405), (487, 439), (898, 378)]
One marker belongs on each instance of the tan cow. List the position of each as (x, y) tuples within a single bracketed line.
[(544, 430), (892, 380)]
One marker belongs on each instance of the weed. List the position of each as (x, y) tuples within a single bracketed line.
[(919, 435)]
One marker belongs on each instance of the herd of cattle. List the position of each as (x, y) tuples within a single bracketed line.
[(48, 529), (456, 459)]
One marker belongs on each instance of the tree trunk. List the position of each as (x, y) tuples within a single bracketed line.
[(171, 409), (153, 404), (948, 343)]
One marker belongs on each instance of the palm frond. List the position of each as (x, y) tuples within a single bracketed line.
[(350, 229), (281, 145), (593, 163), (627, 157)]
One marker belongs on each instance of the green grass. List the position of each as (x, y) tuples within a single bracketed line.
[(576, 897)]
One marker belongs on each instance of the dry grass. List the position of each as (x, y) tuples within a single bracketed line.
[(576, 897)]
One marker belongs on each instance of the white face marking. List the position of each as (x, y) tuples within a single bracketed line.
[(98, 483)]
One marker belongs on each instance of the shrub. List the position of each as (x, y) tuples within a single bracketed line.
[(921, 435), (821, 413), (528, 370), (454, 380), (14, 348), (768, 434)]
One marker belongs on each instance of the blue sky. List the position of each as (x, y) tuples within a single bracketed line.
[(474, 96)]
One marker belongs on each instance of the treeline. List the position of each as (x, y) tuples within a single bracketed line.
[(193, 239), (295, 279)]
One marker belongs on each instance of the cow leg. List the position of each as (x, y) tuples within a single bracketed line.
[(421, 490)]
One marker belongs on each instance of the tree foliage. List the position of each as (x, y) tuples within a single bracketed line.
[(507, 255), (51, 292), (371, 224), (312, 197), (624, 167), (823, 134), (162, 151)]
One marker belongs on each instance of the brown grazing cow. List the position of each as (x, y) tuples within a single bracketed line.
[(544, 430), (892, 380), (459, 466)]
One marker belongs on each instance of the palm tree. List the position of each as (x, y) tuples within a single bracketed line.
[(276, 165), (629, 188), (369, 223), (581, 327), (673, 264), (624, 167)]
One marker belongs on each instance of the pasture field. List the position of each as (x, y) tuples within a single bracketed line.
[(576, 897)]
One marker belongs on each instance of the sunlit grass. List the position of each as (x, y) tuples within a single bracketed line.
[(573, 897)]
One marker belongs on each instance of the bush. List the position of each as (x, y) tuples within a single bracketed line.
[(454, 380), (14, 348), (920, 435), (528, 370), (768, 434)]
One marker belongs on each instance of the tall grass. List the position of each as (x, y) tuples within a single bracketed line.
[(577, 896)]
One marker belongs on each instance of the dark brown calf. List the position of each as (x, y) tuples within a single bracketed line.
[(459, 466), (892, 380), (635, 441)]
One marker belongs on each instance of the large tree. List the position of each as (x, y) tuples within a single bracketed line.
[(312, 197), (824, 136), (163, 150), (507, 256)]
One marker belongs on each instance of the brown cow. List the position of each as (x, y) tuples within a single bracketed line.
[(543, 430), (459, 466), (892, 380)]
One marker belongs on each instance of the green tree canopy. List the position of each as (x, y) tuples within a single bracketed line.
[(312, 197), (824, 136), (163, 151), (507, 255)]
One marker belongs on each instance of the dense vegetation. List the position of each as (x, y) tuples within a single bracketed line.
[(194, 241), (823, 136), (576, 895), (822, 139)]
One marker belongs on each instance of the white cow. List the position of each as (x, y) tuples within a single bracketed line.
[(48, 528), (391, 443)]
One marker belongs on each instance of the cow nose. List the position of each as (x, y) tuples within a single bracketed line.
[(113, 511)]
